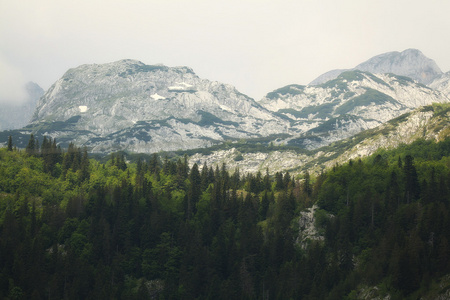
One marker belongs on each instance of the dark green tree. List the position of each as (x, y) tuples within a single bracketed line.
[(31, 147), (10, 143)]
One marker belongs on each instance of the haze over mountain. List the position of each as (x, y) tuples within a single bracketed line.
[(18, 115)]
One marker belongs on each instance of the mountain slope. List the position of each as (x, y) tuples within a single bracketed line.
[(442, 84), (430, 123), (411, 63), (127, 105), (342, 107)]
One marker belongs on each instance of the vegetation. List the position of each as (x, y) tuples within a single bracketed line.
[(370, 96), (292, 89), (75, 228)]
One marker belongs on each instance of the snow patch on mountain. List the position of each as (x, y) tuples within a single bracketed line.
[(83, 108), (157, 97)]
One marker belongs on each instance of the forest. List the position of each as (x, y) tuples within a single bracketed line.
[(72, 227)]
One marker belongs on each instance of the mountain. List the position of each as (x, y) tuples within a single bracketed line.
[(430, 122), (130, 106), (14, 116), (442, 84), (411, 63), (340, 108), (127, 105)]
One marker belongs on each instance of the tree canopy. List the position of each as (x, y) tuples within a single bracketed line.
[(72, 227)]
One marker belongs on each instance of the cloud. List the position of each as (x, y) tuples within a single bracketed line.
[(12, 84)]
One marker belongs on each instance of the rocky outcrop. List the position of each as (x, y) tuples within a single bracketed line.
[(442, 84), (127, 105), (308, 231), (340, 108)]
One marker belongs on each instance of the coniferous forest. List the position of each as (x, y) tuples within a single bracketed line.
[(72, 227)]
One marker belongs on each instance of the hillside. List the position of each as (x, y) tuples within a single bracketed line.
[(143, 109), (429, 123), (340, 108), (130, 106), (74, 228)]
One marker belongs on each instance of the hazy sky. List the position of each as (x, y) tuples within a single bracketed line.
[(257, 46)]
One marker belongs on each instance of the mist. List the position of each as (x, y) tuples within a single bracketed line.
[(12, 85)]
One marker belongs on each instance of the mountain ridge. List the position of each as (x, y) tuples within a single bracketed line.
[(344, 106), (163, 108), (429, 123), (130, 106), (410, 62)]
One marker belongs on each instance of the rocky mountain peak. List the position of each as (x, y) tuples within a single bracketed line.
[(410, 62), (148, 108)]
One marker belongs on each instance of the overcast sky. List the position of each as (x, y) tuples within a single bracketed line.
[(257, 46)]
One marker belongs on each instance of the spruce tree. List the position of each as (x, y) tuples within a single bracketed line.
[(10, 144), (30, 149)]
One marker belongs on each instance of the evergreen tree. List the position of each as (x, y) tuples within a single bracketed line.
[(194, 190), (412, 189), (10, 143), (31, 147), (84, 174), (306, 188)]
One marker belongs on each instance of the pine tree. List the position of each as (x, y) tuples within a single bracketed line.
[(153, 163), (10, 143), (30, 149), (307, 190), (193, 194), (279, 181), (84, 166), (411, 180), (205, 180)]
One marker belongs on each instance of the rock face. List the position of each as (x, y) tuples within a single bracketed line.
[(442, 84), (429, 123), (411, 63), (340, 108), (327, 76), (308, 231), (15, 116), (127, 105)]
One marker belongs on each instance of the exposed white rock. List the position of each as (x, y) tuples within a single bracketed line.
[(307, 227), (172, 108), (442, 84), (127, 105), (367, 100), (421, 123)]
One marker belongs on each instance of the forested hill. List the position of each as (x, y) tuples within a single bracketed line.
[(74, 228)]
